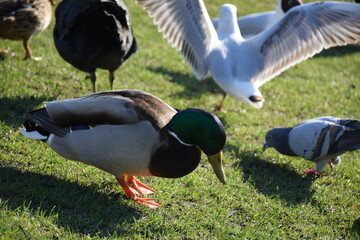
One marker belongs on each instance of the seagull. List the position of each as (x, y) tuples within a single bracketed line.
[(255, 23), (321, 140), (240, 66), (91, 34), (130, 133)]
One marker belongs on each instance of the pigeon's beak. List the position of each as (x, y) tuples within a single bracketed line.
[(265, 146), (216, 162)]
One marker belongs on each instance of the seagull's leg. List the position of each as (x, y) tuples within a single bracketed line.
[(7, 53), (111, 79), (28, 51), (149, 202), (139, 186), (220, 107)]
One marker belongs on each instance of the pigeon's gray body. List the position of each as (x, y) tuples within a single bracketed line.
[(321, 140)]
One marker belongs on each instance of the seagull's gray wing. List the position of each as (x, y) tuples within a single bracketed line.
[(187, 27), (304, 31)]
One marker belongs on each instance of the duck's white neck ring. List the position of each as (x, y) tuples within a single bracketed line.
[(175, 136)]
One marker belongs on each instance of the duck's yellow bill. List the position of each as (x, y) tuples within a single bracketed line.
[(216, 162)]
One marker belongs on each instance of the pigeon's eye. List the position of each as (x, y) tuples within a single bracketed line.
[(268, 136)]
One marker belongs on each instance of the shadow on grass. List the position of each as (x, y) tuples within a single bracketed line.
[(81, 209), (12, 109), (356, 227), (193, 87), (339, 51), (275, 180)]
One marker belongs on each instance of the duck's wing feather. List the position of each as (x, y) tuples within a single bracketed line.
[(68, 12), (41, 118), (112, 107), (304, 31), (7, 6), (187, 27)]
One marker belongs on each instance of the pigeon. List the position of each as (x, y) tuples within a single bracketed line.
[(91, 34), (255, 23), (240, 66), (321, 140)]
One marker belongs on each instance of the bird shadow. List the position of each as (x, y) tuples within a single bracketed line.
[(81, 209), (356, 227), (274, 180), (12, 109), (339, 51), (192, 86)]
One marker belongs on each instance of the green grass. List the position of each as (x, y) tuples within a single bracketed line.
[(268, 196)]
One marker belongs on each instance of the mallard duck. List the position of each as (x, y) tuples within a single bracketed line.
[(91, 34), (22, 19), (129, 133), (240, 66), (321, 140), (255, 23)]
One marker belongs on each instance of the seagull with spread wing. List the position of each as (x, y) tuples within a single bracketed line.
[(240, 66)]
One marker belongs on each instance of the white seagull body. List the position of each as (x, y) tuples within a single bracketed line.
[(255, 23), (241, 66)]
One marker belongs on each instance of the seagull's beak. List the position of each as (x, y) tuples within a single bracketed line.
[(216, 162), (265, 146)]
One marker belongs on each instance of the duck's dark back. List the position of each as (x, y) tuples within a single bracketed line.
[(97, 35)]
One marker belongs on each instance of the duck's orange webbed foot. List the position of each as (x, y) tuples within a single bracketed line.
[(139, 188)]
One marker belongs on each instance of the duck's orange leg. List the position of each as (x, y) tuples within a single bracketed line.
[(28, 54), (130, 194)]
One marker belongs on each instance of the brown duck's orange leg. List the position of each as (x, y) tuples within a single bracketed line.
[(130, 194), (28, 51)]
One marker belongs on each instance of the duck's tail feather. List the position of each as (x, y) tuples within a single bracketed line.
[(38, 125)]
